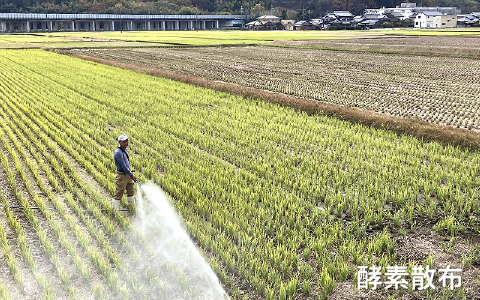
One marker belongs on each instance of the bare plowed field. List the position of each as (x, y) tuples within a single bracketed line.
[(457, 46), (437, 90)]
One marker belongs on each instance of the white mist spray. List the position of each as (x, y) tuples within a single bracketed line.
[(172, 268)]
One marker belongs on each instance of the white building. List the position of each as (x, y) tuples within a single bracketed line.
[(408, 10), (435, 19)]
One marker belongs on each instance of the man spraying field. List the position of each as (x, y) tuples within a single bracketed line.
[(177, 263), (124, 179)]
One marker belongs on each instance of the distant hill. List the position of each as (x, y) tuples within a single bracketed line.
[(300, 9), (293, 4)]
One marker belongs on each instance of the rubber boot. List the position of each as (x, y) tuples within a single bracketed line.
[(131, 200), (115, 204)]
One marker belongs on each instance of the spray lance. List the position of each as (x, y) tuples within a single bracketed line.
[(137, 182)]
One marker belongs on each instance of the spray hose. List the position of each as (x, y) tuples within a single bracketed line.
[(50, 208)]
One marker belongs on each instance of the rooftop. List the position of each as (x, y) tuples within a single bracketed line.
[(22, 16), (431, 13), (342, 13), (268, 17)]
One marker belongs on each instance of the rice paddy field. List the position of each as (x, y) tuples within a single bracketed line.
[(213, 38), (283, 204), (432, 89), (156, 39)]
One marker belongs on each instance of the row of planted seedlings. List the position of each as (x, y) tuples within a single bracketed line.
[(49, 247), (12, 265), (26, 252), (105, 269), (11, 261), (4, 295), (135, 283), (399, 95), (83, 238), (94, 254), (100, 261), (44, 141), (109, 227), (388, 166)]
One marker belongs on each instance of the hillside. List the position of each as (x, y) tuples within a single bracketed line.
[(284, 8), (293, 4)]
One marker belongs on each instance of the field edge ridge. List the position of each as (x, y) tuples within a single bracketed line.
[(428, 132)]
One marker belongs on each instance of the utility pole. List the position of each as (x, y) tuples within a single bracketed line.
[(48, 23), (241, 14)]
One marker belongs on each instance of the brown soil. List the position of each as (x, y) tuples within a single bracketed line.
[(455, 46), (419, 244), (415, 247)]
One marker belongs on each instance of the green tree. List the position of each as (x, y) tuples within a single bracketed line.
[(186, 11), (257, 11)]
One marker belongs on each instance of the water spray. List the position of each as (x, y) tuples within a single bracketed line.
[(173, 267), (180, 271)]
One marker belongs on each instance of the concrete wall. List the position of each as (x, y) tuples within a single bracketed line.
[(447, 21), (21, 23)]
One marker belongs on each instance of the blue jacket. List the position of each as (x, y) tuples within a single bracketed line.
[(121, 161)]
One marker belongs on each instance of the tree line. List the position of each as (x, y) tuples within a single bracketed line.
[(303, 9)]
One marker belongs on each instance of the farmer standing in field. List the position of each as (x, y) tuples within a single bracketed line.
[(125, 178)]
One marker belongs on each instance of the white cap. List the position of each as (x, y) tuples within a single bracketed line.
[(122, 137)]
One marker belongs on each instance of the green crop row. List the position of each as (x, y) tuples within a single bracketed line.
[(414, 87), (289, 203), (30, 125)]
